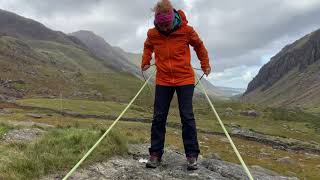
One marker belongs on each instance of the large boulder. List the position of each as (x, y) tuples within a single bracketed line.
[(228, 111)]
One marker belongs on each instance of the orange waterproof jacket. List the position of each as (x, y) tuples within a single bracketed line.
[(172, 54)]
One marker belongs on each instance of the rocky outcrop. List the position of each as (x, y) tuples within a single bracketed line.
[(173, 167)]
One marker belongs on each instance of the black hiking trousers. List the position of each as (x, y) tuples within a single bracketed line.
[(163, 97)]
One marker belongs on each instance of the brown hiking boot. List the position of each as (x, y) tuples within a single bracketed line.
[(192, 163), (154, 161)]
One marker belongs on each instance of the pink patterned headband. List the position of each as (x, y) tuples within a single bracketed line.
[(164, 18)]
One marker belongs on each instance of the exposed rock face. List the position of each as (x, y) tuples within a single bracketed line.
[(290, 76), (173, 167)]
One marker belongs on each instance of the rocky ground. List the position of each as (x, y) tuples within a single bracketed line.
[(23, 135), (173, 167)]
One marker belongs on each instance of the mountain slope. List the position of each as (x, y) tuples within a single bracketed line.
[(111, 56), (291, 78), (37, 61), (24, 28)]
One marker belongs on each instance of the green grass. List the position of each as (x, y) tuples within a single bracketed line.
[(291, 115), (295, 115), (87, 106), (4, 128), (58, 150)]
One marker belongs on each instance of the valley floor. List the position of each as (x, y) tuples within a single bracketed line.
[(70, 127)]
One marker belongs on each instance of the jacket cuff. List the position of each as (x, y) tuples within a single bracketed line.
[(144, 63), (204, 67)]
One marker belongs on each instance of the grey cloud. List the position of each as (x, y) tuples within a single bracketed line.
[(235, 32), (73, 15)]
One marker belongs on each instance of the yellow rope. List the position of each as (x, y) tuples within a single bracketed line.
[(127, 107), (108, 130), (226, 133)]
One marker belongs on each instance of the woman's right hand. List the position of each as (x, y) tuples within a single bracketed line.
[(145, 67), (207, 71)]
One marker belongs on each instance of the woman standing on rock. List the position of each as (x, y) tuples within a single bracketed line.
[(170, 40)]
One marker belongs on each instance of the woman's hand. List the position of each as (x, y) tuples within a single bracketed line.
[(207, 71), (145, 67)]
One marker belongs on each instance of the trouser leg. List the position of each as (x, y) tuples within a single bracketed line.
[(163, 97), (189, 131)]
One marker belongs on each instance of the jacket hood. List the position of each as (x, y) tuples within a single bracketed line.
[(183, 17)]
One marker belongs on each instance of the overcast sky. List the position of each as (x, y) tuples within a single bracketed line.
[(240, 35)]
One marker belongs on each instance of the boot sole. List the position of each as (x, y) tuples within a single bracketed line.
[(152, 166), (192, 168)]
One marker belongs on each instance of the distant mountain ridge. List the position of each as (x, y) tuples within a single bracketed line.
[(291, 77), (111, 56), (232, 91), (24, 28)]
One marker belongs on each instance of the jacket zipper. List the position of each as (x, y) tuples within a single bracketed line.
[(168, 50)]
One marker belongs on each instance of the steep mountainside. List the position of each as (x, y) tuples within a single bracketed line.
[(111, 56), (292, 77)]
